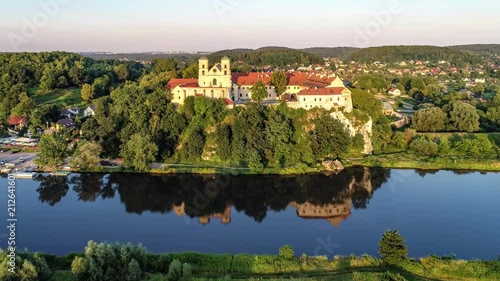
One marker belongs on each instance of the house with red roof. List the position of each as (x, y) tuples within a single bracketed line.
[(17, 122)]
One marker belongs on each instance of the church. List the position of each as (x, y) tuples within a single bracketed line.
[(306, 90)]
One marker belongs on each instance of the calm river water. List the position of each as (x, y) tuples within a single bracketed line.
[(441, 212)]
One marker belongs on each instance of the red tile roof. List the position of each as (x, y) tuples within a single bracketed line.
[(17, 120), (228, 102), (249, 79), (322, 91), (182, 82)]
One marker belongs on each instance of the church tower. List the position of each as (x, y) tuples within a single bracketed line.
[(225, 64), (203, 67)]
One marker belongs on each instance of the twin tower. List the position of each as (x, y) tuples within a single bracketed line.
[(219, 76)]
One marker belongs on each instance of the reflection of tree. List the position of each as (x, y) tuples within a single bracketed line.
[(203, 196), (52, 189), (88, 186)]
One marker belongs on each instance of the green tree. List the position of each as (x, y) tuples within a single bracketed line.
[(191, 71), (139, 152), (398, 140), (87, 93), (87, 155), (431, 119), (223, 139), (195, 143), (259, 91), (464, 117), (105, 262), (53, 149), (279, 81), (99, 87), (367, 102), (329, 138), (479, 89), (121, 72), (25, 106), (392, 248), (287, 252), (423, 147)]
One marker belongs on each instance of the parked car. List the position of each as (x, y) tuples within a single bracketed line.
[(2, 163), (21, 159)]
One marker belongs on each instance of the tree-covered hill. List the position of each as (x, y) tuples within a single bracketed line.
[(336, 52), (405, 53), (478, 48), (275, 56)]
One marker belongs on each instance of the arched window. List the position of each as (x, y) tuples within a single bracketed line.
[(214, 82), (203, 66), (203, 72), (225, 72)]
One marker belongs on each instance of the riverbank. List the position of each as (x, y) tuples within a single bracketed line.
[(279, 267)]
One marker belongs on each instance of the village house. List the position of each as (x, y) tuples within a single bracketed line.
[(394, 92), (304, 89), (70, 113), (89, 111), (17, 122)]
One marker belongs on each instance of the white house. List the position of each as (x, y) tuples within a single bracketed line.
[(89, 111), (394, 92)]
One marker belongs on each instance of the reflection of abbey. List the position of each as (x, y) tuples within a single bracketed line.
[(306, 90), (335, 212)]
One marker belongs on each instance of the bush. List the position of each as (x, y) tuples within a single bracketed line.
[(392, 248), (30, 267), (105, 262), (287, 252), (178, 271), (389, 276), (423, 147)]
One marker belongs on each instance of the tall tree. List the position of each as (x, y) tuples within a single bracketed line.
[(259, 91), (464, 117), (329, 138), (87, 155), (53, 150), (139, 152), (279, 81), (430, 119), (87, 93)]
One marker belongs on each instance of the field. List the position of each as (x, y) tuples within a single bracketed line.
[(61, 97)]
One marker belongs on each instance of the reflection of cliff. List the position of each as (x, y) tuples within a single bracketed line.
[(212, 197), (335, 213)]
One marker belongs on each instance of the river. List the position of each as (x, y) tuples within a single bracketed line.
[(438, 212)]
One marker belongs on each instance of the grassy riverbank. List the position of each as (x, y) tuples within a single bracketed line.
[(410, 161), (276, 267), (110, 262)]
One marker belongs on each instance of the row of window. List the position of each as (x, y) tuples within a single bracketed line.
[(321, 99)]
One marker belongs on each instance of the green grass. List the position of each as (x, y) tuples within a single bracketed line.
[(70, 97), (410, 161)]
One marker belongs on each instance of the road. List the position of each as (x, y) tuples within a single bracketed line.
[(7, 157)]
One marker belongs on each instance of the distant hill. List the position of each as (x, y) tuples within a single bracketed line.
[(399, 53), (479, 48), (335, 52), (148, 57), (275, 56)]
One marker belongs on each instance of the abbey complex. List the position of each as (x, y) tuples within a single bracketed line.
[(305, 90)]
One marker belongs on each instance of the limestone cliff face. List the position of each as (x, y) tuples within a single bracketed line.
[(355, 127)]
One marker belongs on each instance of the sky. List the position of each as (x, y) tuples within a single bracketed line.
[(211, 25)]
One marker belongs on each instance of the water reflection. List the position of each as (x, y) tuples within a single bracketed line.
[(210, 198)]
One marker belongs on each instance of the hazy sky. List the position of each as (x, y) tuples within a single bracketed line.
[(208, 25)]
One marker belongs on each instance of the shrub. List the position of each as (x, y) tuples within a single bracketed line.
[(31, 267), (287, 252), (392, 248), (389, 276), (422, 146), (178, 271), (105, 262)]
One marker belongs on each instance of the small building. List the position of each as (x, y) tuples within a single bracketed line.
[(65, 124), (387, 109), (70, 113), (89, 111), (17, 122), (394, 92)]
